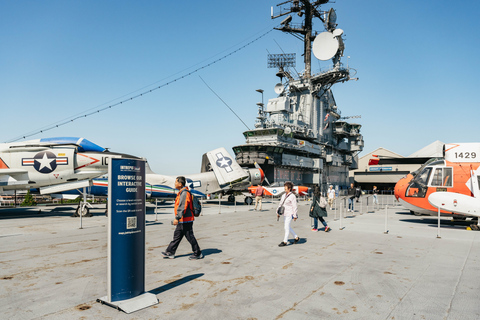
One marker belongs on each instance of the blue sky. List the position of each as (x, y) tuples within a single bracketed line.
[(416, 62)]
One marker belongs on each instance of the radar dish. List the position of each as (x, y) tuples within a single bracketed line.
[(288, 130), (337, 32), (331, 21), (279, 89), (325, 46)]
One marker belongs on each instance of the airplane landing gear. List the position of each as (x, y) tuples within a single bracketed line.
[(83, 209), (231, 198), (248, 200)]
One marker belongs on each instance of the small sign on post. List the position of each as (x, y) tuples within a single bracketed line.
[(126, 237)]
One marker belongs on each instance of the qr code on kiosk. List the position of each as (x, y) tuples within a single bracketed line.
[(131, 222)]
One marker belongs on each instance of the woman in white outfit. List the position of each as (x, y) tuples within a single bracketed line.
[(289, 201)]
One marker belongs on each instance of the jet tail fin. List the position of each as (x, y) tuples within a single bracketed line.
[(227, 171)]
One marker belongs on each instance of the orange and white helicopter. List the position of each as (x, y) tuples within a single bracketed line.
[(450, 183)]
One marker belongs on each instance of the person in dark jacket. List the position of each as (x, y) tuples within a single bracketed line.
[(358, 193), (317, 212), (351, 196)]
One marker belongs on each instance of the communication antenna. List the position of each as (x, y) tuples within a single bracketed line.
[(279, 88), (325, 46), (331, 20), (281, 61), (337, 32)]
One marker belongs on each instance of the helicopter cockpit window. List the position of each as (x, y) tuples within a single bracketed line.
[(423, 176), (418, 186), (442, 177), (447, 180)]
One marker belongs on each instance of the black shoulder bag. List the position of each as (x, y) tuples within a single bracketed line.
[(281, 209)]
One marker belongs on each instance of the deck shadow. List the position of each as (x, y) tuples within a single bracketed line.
[(176, 283)]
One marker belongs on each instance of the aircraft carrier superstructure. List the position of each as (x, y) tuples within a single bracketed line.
[(300, 136)]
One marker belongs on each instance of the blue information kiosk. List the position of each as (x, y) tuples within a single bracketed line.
[(126, 237)]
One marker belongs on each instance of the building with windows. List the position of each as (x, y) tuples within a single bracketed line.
[(392, 166)]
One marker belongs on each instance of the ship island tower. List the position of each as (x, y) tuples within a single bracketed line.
[(300, 136)]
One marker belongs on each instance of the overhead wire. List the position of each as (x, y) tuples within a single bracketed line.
[(225, 103), (84, 115)]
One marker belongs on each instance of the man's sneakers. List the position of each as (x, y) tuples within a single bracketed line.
[(172, 256), (195, 257), (168, 255), (314, 229), (327, 229)]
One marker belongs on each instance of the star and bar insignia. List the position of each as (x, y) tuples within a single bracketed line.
[(224, 162), (45, 161)]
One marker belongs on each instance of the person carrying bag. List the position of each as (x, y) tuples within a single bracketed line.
[(288, 208), (318, 210)]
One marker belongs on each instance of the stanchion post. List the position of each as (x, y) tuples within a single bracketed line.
[(335, 209), (80, 206), (438, 227), (341, 214), (386, 220), (156, 208)]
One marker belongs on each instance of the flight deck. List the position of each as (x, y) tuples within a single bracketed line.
[(52, 269)]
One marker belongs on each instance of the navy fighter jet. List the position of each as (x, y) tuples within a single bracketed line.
[(52, 164)]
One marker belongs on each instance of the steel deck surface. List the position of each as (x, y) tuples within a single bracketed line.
[(52, 269)]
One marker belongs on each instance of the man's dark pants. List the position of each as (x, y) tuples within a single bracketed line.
[(184, 229)]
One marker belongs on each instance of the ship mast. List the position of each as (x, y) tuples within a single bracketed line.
[(309, 10)]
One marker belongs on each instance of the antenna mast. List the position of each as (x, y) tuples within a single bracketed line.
[(309, 10)]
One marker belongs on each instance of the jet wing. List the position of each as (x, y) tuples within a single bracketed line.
[(66, 186), (227, 171), (12, 172), (13, 177)]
